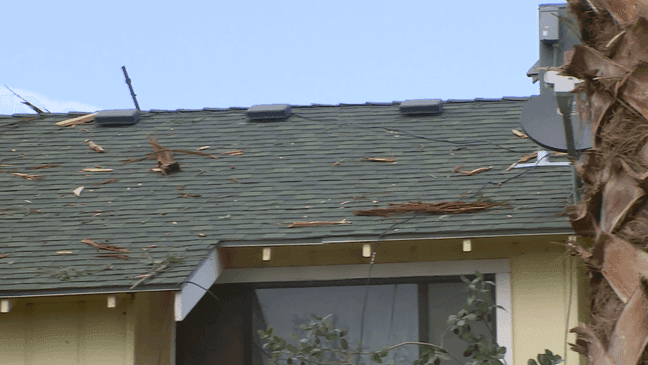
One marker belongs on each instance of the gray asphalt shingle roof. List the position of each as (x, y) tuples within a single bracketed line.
[(309, 167)]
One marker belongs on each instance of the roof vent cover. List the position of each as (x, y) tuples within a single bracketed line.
[(422, 107), (268, 112), (117, 117)]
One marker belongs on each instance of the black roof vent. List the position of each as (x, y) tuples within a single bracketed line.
[(422, 107), (117, 117), (268, 112)]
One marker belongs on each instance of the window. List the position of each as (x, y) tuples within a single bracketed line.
[(398, 310), (421, 295)]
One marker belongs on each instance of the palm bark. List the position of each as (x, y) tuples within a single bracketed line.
[(613, 63)]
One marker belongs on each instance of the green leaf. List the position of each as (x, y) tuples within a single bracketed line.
[(292, 348), (479, 275), (481, 307), (303, 326), (384, 352), (471, 317), (330, 336), (549, 353), (375, 357), (294, 336), (444, 356), (316, 317), (344, 344), (489, 282), (343, 333), (452, 319), (465, 280)]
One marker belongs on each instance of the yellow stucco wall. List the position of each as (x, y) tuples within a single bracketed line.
[(82, 330), (540, 292)]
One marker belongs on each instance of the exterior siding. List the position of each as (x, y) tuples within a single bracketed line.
[(82, 330)]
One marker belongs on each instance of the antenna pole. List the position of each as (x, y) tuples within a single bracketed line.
[(128, 81)]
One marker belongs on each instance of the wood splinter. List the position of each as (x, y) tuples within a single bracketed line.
[(165, 158)]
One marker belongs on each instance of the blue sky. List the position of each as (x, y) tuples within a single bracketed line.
[(67, 55)]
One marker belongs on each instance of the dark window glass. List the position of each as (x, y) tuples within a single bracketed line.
[(391, 315), (445, 299)]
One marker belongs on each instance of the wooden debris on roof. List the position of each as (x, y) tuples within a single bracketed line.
[(27, 176), (164, 157), (78, 191), (78, 120), (317, 223), (453, 207), (96, 169), (471, 172), (524, 158), (95, 147), (519, 134), (45, 166), (100, 246), (2, 256), (233, 153), (114, 255), (380, 159), (106, 182)]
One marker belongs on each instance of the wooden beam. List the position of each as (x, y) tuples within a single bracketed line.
[(78, 120)]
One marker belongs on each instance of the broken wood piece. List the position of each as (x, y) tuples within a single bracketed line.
[(139, 159), (150, 274), (519, 134), (453, 207), (524, 158), (27, 177), (63, 252), (45, 166), (114, 255), (472, 172), (95, 147), (233, 153), (100, 246), (380, 159), (2, 256), (317, 223), (105, 182), (164, 157), (203, 148), (78, 191), (96, 169), (78, 120)]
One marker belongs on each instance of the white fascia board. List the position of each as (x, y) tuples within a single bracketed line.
[(190, 294)]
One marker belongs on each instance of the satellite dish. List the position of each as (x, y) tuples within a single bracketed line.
[(542, 122)]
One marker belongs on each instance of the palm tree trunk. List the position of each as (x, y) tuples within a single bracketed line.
[(613, 63)]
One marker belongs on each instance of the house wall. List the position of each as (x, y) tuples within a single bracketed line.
[(80, 329), (543, 278)]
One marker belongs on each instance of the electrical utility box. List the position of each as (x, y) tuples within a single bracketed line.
[(549, 24)]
